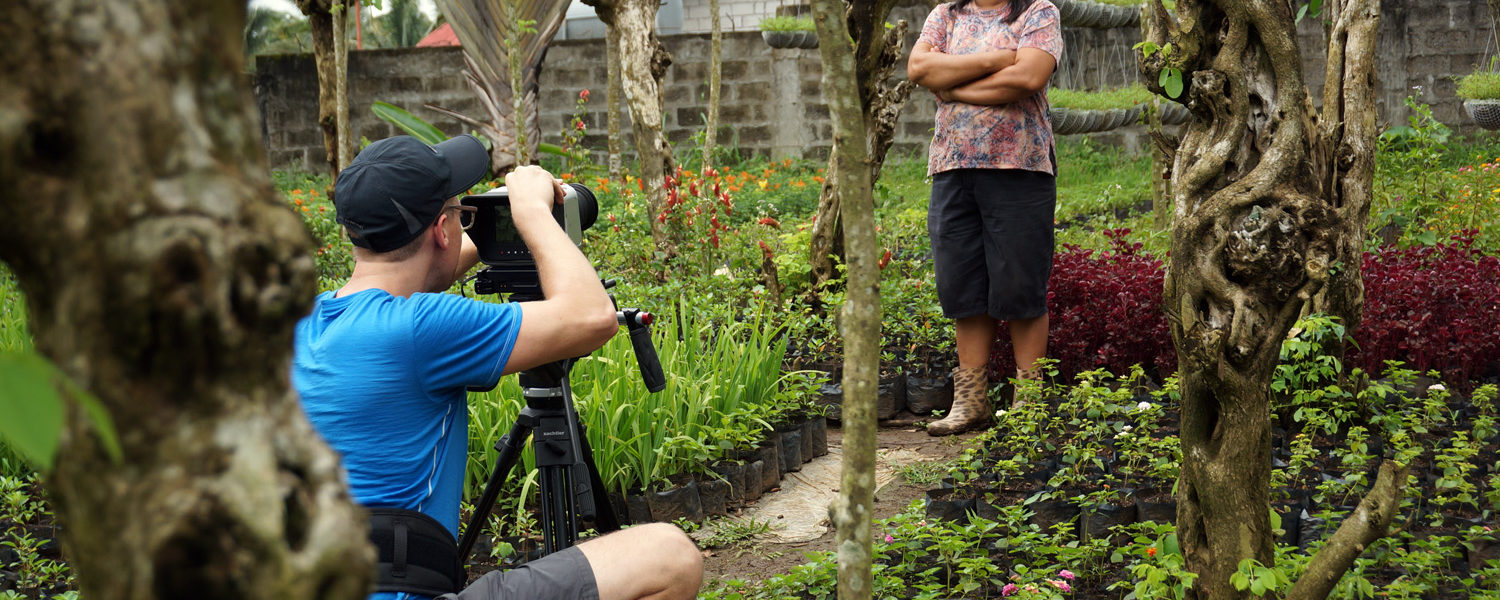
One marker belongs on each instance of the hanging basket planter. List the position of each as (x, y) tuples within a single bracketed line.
[(790, 39), (1484, 112), (1096, 15)]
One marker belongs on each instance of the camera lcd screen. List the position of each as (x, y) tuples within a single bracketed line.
[(505, 226)]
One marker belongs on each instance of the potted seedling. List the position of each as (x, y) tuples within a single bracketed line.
[(1480, 92), (789, 32)]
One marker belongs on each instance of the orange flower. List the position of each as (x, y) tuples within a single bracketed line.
[(1151, 552)]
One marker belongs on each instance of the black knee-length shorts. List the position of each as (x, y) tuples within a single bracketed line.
[(992, 240)]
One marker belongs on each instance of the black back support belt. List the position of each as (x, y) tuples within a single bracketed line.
[(416, 554)]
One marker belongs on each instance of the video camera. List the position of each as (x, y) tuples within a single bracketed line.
[(511, 268)]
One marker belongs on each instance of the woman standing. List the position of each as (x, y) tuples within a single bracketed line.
[(994, 189)]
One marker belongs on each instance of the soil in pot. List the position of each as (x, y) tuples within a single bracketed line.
[(713, 496), (892, 396), (681, 501), (926, 393), (1047, 513), (754, 484), (1096, 521), (949, 504), (733, 474), (790, 449)]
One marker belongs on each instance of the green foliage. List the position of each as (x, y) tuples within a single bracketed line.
[(1122, 97), (409, 123), (786, 23), (1480, 85)]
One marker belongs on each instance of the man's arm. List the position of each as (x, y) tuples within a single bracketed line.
[(1029, 75), (938, 71), (577, 316)]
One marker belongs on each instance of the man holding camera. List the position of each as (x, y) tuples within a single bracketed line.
[(382, 365)]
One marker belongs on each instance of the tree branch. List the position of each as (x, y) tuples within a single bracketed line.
[(1369, 522)]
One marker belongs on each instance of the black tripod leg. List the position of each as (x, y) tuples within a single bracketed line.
[(605, 517), (559, 527), (509, 447)]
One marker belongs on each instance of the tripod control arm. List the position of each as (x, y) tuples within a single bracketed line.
[(638, 322)]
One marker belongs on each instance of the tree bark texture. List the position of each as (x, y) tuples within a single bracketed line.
[(341, 84), (643, 62), (1270, 202), (853, 512), (877, 52), (163, 275), (320, 23), (616, 135), (715, 71)]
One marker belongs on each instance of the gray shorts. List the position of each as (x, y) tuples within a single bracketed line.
[(991, 232), (564, 575)]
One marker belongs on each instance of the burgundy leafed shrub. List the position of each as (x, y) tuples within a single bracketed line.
[(1432, 307), (1105, 311)]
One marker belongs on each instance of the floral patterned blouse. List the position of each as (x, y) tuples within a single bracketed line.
[(1007, 136)]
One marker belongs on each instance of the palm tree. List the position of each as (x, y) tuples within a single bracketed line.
[(401, 27), (269, 31)]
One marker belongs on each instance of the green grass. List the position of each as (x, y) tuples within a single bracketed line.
[(1124, 97), (787, 24), (1479, 85)]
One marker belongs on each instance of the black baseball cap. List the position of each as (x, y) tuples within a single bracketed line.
[(397, 186)]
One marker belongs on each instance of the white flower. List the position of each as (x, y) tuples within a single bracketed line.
[(1144, 405), (1436, 387), (999, 413), (1125, 428)]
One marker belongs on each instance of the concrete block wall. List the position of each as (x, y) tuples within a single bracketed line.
[(772, 99)]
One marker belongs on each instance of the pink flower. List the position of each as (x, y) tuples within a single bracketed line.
[(889, 539), (1010, 588), (1066, 574), (583, 95), (1060, 584)]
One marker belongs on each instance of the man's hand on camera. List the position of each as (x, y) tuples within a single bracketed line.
[(532, 188)]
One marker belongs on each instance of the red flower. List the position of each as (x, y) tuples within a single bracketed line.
[(884, 260), (768, 221), (583, 95), (693, 188), (578, 125), (765, 249)]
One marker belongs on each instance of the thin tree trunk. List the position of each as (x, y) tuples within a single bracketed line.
[(1269, 206), (715, 70), (163, 275), (341, 83), (878, 51), (853, 512), (643, 62), (320, 23), (612, 105)]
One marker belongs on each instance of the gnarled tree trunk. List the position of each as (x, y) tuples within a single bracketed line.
[(1270, 202), (877, 52), (163, 275), (643, 62)]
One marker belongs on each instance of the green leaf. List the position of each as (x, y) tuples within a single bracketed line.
[(1173, 84), (32, 408), (409, 123)]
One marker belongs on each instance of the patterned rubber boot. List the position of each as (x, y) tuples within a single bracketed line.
[(971, 404), (1021, 396)]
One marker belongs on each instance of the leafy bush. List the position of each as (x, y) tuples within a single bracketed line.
[(1434, 307), (1105, 311)]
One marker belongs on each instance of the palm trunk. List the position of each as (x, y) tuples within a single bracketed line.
[(163, 275), (320, 23), (715, 70)]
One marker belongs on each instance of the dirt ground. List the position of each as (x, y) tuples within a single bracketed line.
[(767, 555)]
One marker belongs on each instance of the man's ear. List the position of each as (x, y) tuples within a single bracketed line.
[(440, 234)]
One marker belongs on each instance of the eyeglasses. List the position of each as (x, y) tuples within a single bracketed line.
[(465, 215)]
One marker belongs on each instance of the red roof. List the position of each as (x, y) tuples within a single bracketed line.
[(442, 36)]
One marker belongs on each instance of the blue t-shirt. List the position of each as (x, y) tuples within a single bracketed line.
[(382, 378)]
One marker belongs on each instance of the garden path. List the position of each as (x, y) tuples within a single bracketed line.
[(798, 512)]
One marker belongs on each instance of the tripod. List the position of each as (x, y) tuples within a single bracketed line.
[(571, 488)]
